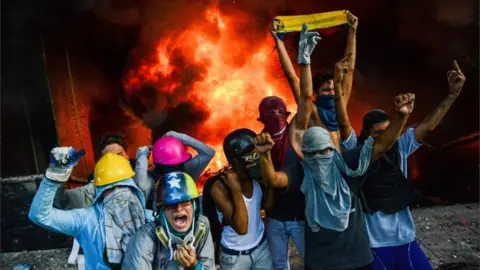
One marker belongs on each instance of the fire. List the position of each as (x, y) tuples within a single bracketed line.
[(235, 74)]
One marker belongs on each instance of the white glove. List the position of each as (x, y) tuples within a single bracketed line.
[(62, 161), (306, 45), (143, 151)]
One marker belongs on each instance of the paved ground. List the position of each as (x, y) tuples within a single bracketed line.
[(449, 235)]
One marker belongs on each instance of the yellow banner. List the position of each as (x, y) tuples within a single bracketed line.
[(288, 24)]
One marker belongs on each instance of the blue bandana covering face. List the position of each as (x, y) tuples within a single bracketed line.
[(326, 110)]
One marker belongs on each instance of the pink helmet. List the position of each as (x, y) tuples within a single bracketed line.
[(169, 151)]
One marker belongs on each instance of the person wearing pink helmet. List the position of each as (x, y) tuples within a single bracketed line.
[(169, 154)]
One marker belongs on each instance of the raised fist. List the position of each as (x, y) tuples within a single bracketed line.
[(263, 142), (232, 180), (341, 68), (404, 103)]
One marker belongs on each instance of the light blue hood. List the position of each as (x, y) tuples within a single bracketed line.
[(124, 183), (86, 224)]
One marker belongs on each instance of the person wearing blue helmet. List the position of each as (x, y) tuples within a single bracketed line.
[(179, 237)]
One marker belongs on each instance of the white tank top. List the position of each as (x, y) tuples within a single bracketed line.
[(231, 239)]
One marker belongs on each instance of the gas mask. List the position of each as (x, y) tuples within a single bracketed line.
[(171, 239), (252, 164)]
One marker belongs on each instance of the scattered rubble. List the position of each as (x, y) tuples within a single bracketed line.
[(449, 236)]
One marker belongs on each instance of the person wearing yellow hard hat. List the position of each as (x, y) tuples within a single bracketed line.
[(103, 230), (83, 196)]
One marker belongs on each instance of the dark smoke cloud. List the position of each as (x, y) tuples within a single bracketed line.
[(400, 43), (402, 46), (456, 13)]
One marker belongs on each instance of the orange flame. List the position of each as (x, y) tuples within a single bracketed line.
[(236, 76)]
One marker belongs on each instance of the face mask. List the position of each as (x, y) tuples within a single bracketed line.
[(275, 125), (319, 163), (254, 172), (326, 110), (170, 239), (320, 159)]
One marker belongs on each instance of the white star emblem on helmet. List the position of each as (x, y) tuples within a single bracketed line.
[(174, 182), (175, 195)]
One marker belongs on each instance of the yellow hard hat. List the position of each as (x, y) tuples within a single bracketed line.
[(112, 168)]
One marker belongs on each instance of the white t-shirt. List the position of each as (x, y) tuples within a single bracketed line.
[(231, 239)]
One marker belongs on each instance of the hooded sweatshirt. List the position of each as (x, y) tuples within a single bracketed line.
[(86, 225), (327, 194)]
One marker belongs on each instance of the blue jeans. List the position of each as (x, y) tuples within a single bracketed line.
[(404, 257), (278, 234), (259, 259)]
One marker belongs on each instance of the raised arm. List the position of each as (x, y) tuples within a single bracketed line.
[(42, 213), (231, 205), (340, 98), (351, 53), (264, 143), (197, 164), (141, 178), (403, 106), (307, 43), (286, 63), (456, 79), (45, 215)]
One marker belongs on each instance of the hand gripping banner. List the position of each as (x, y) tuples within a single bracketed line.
[(290, 24)]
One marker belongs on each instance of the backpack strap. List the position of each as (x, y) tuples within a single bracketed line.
[(202, 229), (162, 236)]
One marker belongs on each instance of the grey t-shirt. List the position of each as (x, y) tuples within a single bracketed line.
[(329, 249)]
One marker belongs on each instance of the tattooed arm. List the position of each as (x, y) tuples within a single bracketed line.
[(456, 79)]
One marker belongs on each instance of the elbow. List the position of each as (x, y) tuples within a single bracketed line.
[(269, 181), (240, 224), (210, 153), (242, 232), (37, 217), (242, 229), (342, 124), (33, 215), (274, 184)]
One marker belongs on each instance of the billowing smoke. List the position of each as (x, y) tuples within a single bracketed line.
[(402, 46)]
